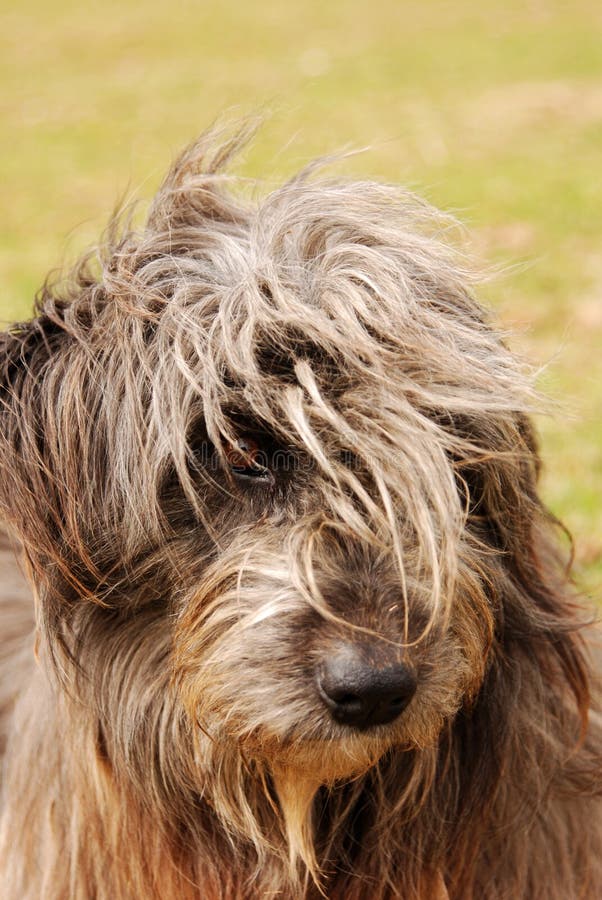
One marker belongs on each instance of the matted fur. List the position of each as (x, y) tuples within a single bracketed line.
[(171, 741)]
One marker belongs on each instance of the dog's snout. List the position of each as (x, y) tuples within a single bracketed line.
[(360, 694)]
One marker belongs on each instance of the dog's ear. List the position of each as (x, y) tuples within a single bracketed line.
[(26, 353), (537, 610), (522, 539), (497, 468), (24, 349)]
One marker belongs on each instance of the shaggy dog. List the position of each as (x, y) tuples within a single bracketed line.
[(302, 623)]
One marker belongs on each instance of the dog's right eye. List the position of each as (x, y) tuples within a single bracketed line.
[(247, 460), (350, 460)]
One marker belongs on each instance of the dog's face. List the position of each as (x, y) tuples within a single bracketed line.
[(278, 451), (329, 618)]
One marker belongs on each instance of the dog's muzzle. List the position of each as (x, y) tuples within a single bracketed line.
[(361, 693)]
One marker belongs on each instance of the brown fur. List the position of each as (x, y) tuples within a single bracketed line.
[(171, 741)]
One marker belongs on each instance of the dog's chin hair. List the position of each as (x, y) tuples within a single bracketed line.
[(296, 784), (263, 781), (260, 776), (297, 778)]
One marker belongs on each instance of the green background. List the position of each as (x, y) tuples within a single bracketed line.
[(490, 110)]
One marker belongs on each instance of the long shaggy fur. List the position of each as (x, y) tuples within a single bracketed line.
[(170, 741)]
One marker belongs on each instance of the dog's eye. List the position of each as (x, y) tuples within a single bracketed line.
[(350, 460), (246, 459)]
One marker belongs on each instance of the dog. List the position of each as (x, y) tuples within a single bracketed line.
[(303, 627)]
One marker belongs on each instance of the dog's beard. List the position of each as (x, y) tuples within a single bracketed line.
[(254, 779), (246, 648)]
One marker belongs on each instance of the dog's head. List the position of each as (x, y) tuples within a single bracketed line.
[(272, 467)]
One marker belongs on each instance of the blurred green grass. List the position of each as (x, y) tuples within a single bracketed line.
[(493, 111)]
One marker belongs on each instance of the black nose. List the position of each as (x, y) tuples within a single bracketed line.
[(360, 693)]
